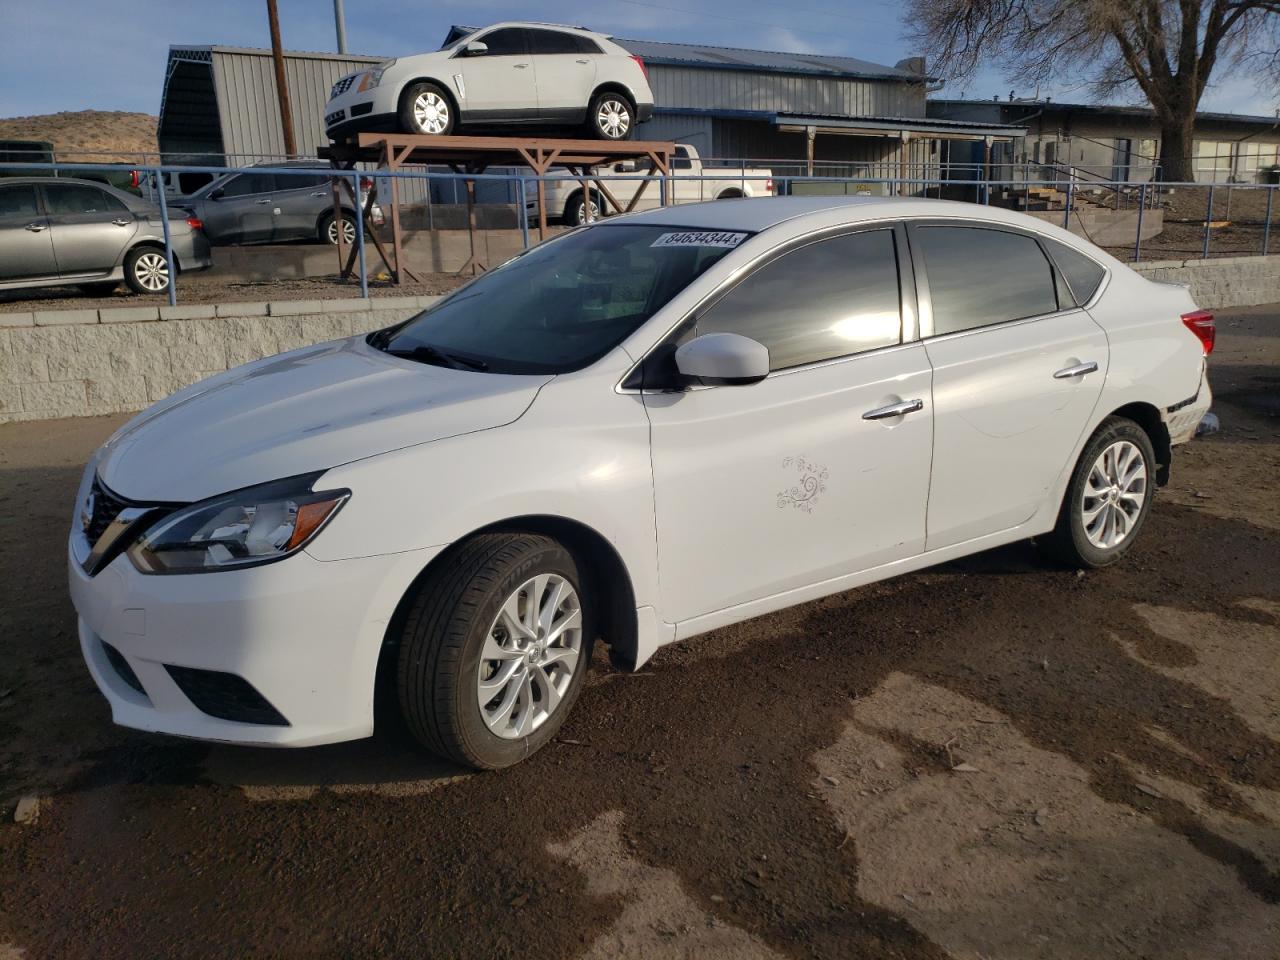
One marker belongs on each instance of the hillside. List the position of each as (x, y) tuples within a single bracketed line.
[(86, 136)]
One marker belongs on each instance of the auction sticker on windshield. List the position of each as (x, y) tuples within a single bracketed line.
[(699, 238)]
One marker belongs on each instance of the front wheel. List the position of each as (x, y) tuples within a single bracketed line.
[(146, 270), (425, 109), (576, 209), (611, 117), (1108, 498), (494, 649)]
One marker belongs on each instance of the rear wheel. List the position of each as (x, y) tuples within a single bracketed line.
[(329, 228), (425, 109), (494, 649), (1108, 499), (146, 270), (611, 116)]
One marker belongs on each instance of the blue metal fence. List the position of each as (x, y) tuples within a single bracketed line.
[(1068, 203)]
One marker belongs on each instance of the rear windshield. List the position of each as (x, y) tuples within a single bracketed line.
[(564, 304)]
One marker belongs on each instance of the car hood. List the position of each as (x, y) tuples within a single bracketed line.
[(300, 412)]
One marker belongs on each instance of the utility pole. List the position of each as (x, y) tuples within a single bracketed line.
[(282, 85), (340, 23)]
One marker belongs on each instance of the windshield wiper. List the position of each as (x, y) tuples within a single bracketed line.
[(425, 353)]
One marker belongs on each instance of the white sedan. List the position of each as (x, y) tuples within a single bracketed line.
[(639, 431)]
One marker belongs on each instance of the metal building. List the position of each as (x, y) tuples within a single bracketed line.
[(728, 102)]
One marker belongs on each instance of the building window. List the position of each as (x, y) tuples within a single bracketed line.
[(1213, 161)]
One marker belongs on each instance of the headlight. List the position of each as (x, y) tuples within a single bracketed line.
[(373, 77), (240, 529)]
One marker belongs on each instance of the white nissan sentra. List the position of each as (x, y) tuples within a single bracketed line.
[(639, 431)]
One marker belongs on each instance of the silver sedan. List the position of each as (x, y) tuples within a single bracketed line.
[(58, 231)]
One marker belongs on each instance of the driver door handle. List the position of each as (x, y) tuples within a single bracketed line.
[(894, 410), (1079, 370), (520, 66), (121, 222), (268, 200), (37, 227)]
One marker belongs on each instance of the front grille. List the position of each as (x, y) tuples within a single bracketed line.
[(122, 668), (342, 86), (106, 507), (225, 696), (332, 118)]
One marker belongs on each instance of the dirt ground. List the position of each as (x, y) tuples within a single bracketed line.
[(993, 759)]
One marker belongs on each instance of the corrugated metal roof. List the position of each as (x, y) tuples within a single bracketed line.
[(738, 58), (712, 57), (1029, 107)]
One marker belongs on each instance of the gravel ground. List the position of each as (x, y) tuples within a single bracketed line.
[(996, 758), (199, 288)]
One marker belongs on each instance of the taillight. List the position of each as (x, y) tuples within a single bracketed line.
[(195, 223), (640, 64), (768, 187), (366, 183), (135, 178), (1202, 324)]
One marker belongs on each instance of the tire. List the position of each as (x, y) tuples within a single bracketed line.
[(329, 234), (604, 123), (457, 615), (146, 270), (425, 109), (575, 209), (1080, 538), (102, 288)]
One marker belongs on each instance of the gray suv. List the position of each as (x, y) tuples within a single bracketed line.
[(57, 231), (256, 207)]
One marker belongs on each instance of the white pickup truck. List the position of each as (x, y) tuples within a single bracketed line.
[(566, 199)]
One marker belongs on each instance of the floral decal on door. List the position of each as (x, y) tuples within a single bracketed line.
[(804, 493)]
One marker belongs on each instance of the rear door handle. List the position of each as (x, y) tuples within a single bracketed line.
[(321, 193), (37, 227), (1079, 370), (520, 66), (121, 222), (582, 61), (268, 200), (894, 410)]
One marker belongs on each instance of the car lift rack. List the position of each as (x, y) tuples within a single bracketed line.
[(391, 151)]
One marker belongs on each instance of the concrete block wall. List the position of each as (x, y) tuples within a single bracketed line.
[(79, 363), (1225, 282)]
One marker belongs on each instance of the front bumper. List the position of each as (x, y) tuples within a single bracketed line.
[(304, 634), (356, 110)]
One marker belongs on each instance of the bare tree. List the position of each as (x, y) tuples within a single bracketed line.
[(1168, 49)]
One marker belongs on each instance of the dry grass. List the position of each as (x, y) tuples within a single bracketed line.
[(88, 136)]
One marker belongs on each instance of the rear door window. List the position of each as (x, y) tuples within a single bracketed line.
[(71, 198), (979, 276), (550, 41), (827, 299)]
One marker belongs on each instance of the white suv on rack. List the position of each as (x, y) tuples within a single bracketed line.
[(506, 74)]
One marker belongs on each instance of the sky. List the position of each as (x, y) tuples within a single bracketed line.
[(96, 54)]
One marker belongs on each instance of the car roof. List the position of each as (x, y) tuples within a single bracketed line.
[(585, 31), (762, 213)]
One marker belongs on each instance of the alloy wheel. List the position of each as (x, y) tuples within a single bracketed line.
[(1115, 493), (613, 118), (431, 111), (588, 212), (530, 655), (152, 271), (348, 231)]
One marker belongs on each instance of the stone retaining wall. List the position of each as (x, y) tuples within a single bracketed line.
[(79, 363), (1225, 282)]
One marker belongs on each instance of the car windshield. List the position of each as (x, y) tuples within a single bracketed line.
[(561, 305)]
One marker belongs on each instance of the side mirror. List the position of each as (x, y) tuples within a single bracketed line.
[(216, 194), (723, 359), (475, 48)]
